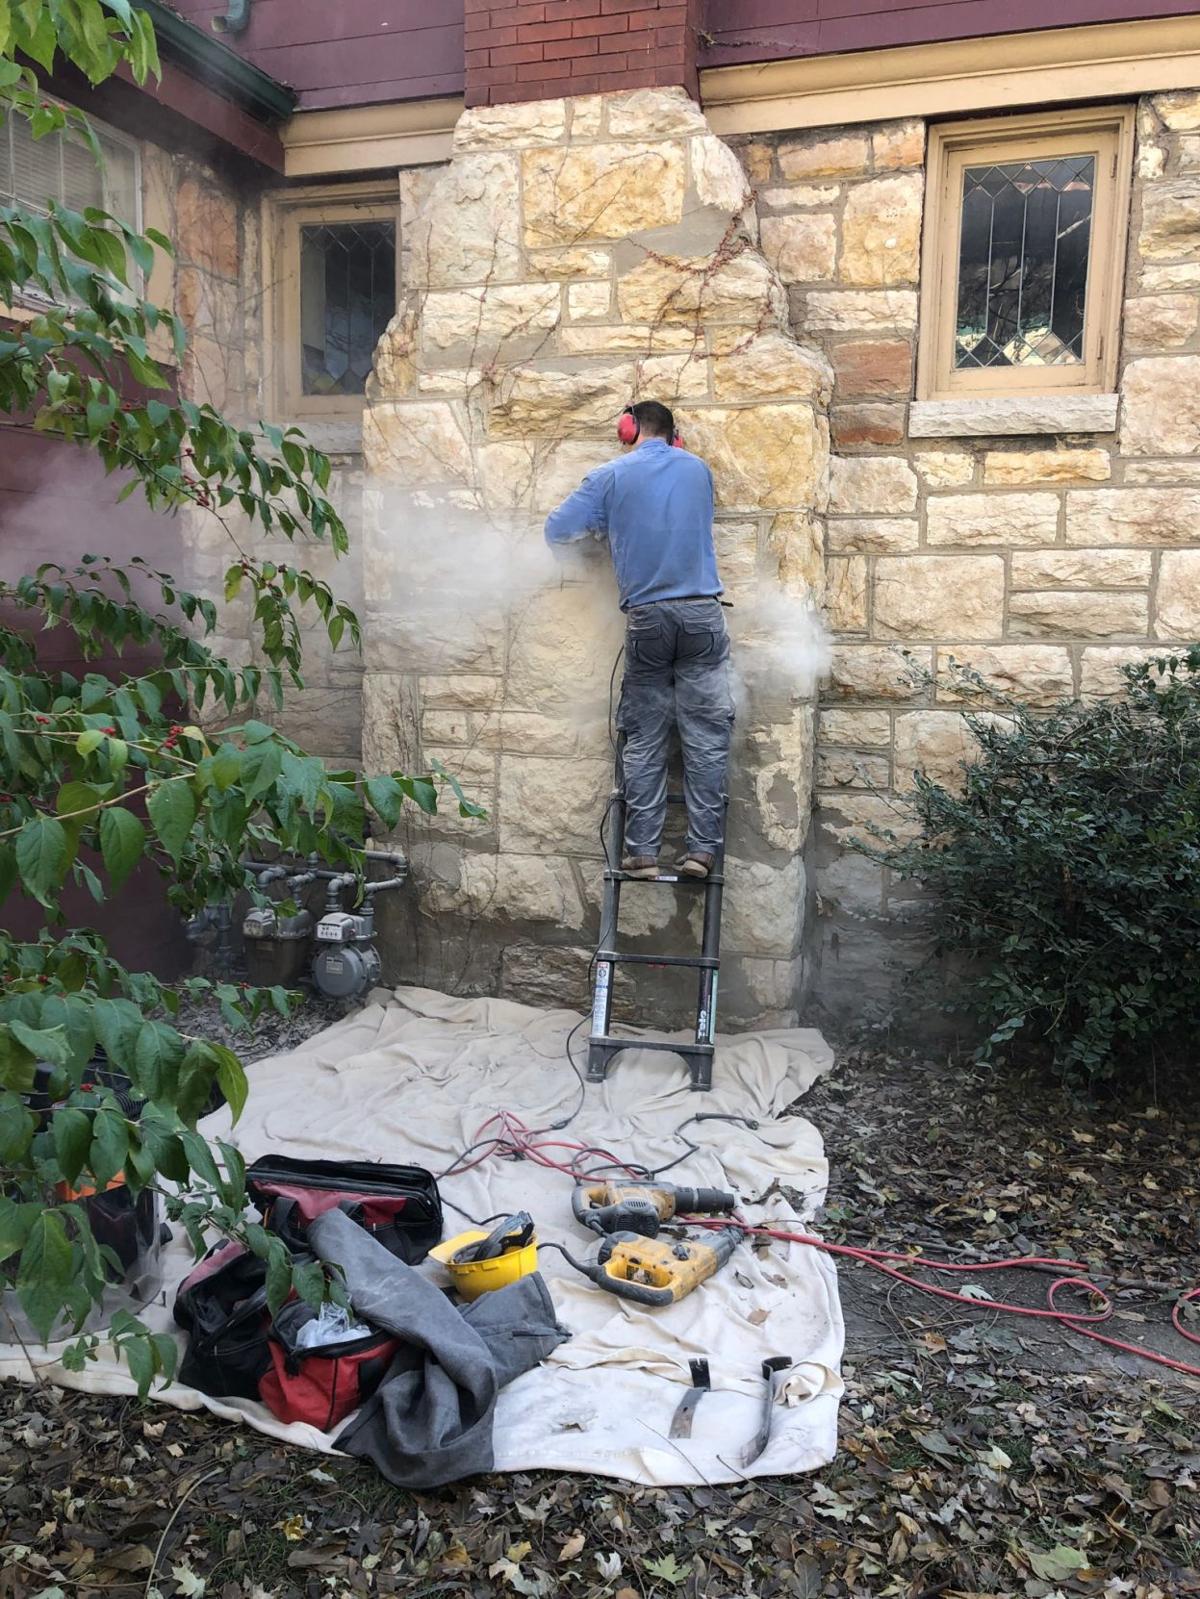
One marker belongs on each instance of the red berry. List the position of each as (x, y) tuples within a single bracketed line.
[(41, 719)]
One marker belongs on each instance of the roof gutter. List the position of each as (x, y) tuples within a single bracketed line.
[(213, 63)]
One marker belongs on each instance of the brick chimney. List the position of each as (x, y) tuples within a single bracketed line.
[(546, 49)]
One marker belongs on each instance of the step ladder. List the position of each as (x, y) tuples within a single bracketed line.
[(602, 1045)]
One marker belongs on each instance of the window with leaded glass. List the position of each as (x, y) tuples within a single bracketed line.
[(1025, 232)]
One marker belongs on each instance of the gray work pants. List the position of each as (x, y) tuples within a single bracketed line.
[(676, 671)]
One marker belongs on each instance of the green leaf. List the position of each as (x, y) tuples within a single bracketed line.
[(119, 1025), (226, 767), (89, 741), (172, 810), (386, 798), (110, 1144), (72, 1130), (156, 1057), (279, 1275), (15, 1223), (78, 800), (231, 1079), (200, 1158), (44, 1273), (139, 1357), (43, 854), (122, 839), (50, 1044)]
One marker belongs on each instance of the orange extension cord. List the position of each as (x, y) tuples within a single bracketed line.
[(513, 1140)]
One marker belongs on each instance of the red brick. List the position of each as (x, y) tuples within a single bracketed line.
[(473, 6), (570, 10), (494, 39), (641, 20), (523, 14), (621, 43), (644, 78), (568, 49), (585, 66), (546, 30), (669, 38), (598, 25), (859, 426), (515, 54), (671, 17), (488, 76), (607, 7), (872, 368), (475, 59)]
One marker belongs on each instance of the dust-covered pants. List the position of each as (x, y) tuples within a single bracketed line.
[(676, 672)]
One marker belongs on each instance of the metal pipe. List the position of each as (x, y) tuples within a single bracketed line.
[(301, 879), (385, 882), (387, 857), (334, 888)]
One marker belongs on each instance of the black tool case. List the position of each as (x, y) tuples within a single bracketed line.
[(399, 1205)]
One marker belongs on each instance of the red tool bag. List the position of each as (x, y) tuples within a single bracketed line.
[(323, 1384), (399, 1205)]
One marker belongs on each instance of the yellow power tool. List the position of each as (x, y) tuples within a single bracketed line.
[(642, 1207), (658, 1271)]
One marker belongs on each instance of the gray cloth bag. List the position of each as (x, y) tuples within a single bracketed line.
[(430, 1420)]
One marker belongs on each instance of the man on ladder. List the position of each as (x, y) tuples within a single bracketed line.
[(655, 507)]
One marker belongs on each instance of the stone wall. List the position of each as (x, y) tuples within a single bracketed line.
[(1045, 562), (576, 255)]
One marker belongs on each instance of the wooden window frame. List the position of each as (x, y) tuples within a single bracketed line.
[(1105, 130), (289, 211)]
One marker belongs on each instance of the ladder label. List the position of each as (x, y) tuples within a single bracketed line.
[(712, 1010), (600, 997)]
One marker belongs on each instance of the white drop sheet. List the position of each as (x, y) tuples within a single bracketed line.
[(412, 1076)]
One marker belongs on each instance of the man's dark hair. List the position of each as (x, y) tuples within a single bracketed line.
[(654, 420)]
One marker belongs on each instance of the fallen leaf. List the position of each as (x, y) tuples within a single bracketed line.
[(572, 1548)]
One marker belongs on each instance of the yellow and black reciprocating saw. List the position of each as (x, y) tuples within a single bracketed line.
[(643, 1207)]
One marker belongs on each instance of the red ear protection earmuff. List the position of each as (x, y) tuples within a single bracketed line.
[(628, 431)]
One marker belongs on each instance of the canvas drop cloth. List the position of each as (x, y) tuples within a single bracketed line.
[(411, 1077)]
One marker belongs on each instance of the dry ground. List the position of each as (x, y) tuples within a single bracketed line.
[(979, 1456)]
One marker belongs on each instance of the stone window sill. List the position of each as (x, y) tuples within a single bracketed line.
[(1013, 413), (341, 435)]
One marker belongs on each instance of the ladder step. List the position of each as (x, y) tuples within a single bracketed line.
[(607, 1041), (713, 880), (703, 962)]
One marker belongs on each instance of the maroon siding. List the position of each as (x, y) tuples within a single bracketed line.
[(56, 504), (350, 52), (765, 30)]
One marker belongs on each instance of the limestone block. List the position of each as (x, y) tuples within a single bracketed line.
[(1133, 516), (1189, 152), (757, 158), (631, 339), (532, 733), (742, 290), (872, 369), (1013, 413), (552, 806), (422, 632), (390, 723), (1046, 466), (472, 767), (765, 456), (939, 596), (934, 742), (717, 175), (473, 322), (448, 727), (1100, 668), (763, 909), (661, 111), (1076, 569), (587, 116), (845, 816), (452, 881), (878, 672), (206, 227), (1039, 674), (670, 378), (802, 247), (846, 593), (737, 553), (855, 729), (800, 196), (538, 888), (1160, 406), (534, 402), (777, 756), (471, 691), (766, 366), (871, 484), (533, 475), (207, 304), (1177, 611), (468, 231), (881, 231), (417, 442), (1154, 472), (1008, 519), (859, 310), (561, 653), (580, 263), (857, 427), (1179, 110), (851, 884), (395, 371), (1163, 279), (873, 535), (774, 987), (1171, 221), (821, 155), (601, 191), (1075, 615), (898, 144), (505, 126), (547, 975), (944, 469), (1160, 321), (794, 543), (588, 300), (848, 769)]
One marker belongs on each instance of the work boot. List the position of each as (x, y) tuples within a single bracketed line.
[(695, 864), (643, 866)]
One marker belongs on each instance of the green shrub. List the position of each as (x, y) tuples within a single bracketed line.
[(1065, 875)]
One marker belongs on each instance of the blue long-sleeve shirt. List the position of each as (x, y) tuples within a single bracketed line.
[(655, 506)]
